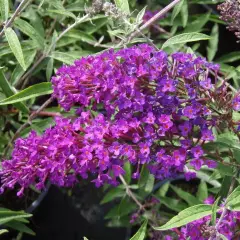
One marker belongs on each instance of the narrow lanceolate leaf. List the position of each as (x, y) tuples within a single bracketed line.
[(197, 24), (49, 69), (149, 184), (4, 9), (8, 91), (186, 216), (202, 192), (222, 237), (63, 57), (140, 15), (184, 13), (112, 194), (177, 10), (213, 43), (21, 227), (29, 30), (128, 172), (28, 93), (229, 57), (141, 233), (2, 231), (234, 199), (123, 5), (63, 12), (18, 72), (214, 211), (185, 38), (8, 215), (189, 198), (15, 46)]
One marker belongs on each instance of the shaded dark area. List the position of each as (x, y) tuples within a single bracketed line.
[(62, 217)]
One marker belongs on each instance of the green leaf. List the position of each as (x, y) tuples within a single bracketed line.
[(143, 176), (205, 177), (36, 90), (229, 57), (114, 212), (63, 57), (21, 227), (173, 204), (202, 192), (8, 215), (79, 35), (214, 211), (140, 15), (206, 1), (29, 30), (4, 9), (229, 139), (236, 154), (84, 238), (190, 50), (2, 231), (225, 186), (41, 124), (141, 233), (18, 72), (49, 69), (63, 12), (149, 184), (112, 194), (222, 237), (8, 91), (197, 24), (186, 216), (123, 5), (233, 198), (177, 10), (163, 189), (34, 17), (15, 46), (123, 206), (189, 198), (185, 38), (213, 43), (95, 25), (128, 172), (77, 6), (184, 13)]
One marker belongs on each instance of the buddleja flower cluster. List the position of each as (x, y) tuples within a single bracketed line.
[(230, 12), (156, 110)]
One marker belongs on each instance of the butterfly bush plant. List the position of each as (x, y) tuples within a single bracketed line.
[(143, 116)]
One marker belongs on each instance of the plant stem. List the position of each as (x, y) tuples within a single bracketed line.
[(154, 19), (224, 211), (221, 160), (227, 84), (130, 193), (72, 26), (19, 9), (42, 113)]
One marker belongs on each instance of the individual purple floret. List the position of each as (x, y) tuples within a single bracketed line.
[(236, 103)]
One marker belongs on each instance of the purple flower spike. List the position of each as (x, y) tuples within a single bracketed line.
[(154, 108)]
